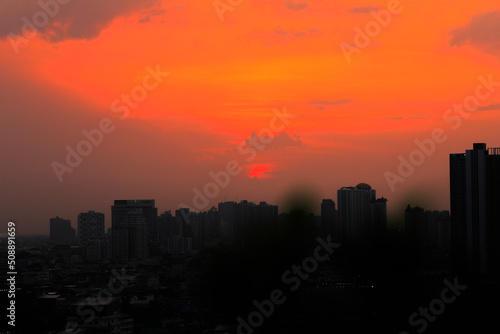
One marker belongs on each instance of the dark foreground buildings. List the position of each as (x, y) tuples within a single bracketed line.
[(61, 231), (362, 217), (475, 214)]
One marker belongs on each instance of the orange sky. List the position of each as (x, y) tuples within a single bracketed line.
[(351, 119)]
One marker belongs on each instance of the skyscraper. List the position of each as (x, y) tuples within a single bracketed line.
[(90, 227), (378, 218), (148, 210), (328, 219), (427, 229), (475, 218), (133, 225), (61, 231), (236, 219), (360, 214)]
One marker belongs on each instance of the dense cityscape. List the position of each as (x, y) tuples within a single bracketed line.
[(242, 267)]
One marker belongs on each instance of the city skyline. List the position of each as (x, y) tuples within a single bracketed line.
[(145, 99), (395, 217)]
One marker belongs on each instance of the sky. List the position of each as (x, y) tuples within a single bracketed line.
[(192, 103)]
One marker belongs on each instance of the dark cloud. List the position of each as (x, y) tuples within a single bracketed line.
[(495, 106), (146, 16), (304, 32), (483, 31), (279, 141), (301, 33), (331, 103), (292, 5), (74, 20), (279, 35), (281, 32), (363, 10)]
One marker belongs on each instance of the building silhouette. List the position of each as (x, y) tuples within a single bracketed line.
[(474, 199), (61, 231), (134, 225), (361, 217), (378, 218), (148, 210), (428, 229), (329, 224), (236, 219), (90, 227)]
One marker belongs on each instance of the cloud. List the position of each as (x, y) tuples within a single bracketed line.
[(482, 32), (495, 106), (146, 16), (301, 33), (279, 35), (74, 20), (331, 103), (304, 32), (394, 118), (292, 5), (363, 10), (281, 32), (280, 141), (258, 171)]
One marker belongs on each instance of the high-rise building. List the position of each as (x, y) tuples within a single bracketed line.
[(227, 216), (148, 210), (133, 225), (360, 214), (329, 224), (378, 218), (211, 226), (475, 217), (90, 226), (61, 231), (238, 218), (98, 249), (428, 229), (129, 240), (266, 216), (167, 226)]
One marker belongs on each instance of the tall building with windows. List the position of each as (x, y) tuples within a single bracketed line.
[(475, 217), (236, 219), (148, 210), (360, 214), (134, 224), (61, 231), (90, 227)]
